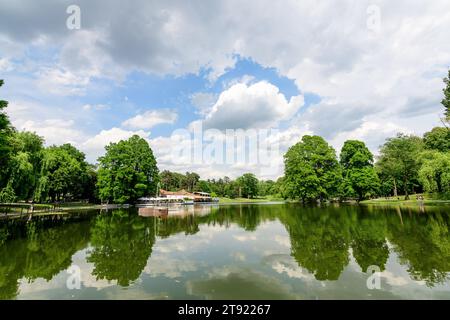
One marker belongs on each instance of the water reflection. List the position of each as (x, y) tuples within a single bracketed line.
[(322, 241)]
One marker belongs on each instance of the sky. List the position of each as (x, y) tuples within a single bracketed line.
[(160, 69)]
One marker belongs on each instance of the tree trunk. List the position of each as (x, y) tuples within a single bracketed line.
[(406, 190), (395, 188)]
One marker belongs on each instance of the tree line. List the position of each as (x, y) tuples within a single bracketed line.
[(406, 164)]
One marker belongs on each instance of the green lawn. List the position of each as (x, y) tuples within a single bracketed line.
[(400, 200), (242, 200)]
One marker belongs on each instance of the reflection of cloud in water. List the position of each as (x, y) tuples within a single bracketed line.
[(181, 242), (285, 264), (171, 267), (394, 280), (135, 293), (87, 278), (238, 256), (245, 237), (40, 285), (236, 283), (283, 240)]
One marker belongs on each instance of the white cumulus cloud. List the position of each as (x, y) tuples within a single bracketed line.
[(151, 118), (257, 105)]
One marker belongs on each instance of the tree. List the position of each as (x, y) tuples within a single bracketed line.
[(435, 172), (358, 172), (170, 180), (25, 163), (437, 139), (266, 188), (127, 171), (7, 194), (63, 173), (399, 159), (446, 101), (248, 185), (5, 133), (231, 189), (311, 169), (191, 181), (203, 186)]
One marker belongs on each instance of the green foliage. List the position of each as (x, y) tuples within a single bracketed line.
[(64, 173), (203, 186), (127, 171), (311, 170), (267, 188), (248, 185), (25, 163), (437, 139), (359, 176), (446, 101), (435, 172), (7, 194), (172, 181), (399, 161), (6, 131), (191, 181)]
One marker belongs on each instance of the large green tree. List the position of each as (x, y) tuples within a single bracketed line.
[(435, 172), (399, 159), (64, 173), (127, 171), (360, 178), (172, 181), (25, 163), (437, 139), (446, 101), (191, 180), (5, 134), (248, 185), (311, 169)]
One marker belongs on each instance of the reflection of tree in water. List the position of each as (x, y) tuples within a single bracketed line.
[(423, 244), (188, 224), (369, 240), (122, 243), (42, 253), (248, 217), (320, 239)]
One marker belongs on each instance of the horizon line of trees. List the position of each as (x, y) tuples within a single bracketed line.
[(407, 164)]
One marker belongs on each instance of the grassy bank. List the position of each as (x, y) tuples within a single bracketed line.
[(413, 201), (245, 200), (23, 209)]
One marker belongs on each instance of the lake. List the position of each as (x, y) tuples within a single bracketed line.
[(242, 251)]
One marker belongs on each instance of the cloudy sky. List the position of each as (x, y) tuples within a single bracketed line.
[(340, 69)]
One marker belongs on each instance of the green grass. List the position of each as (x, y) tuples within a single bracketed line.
[(242, 200), (400, 200), (76, 205), (42, 208)]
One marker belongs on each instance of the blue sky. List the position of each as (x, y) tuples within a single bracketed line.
[(339, 72)]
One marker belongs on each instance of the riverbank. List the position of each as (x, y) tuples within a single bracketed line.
[(223, 200), (400, 201), (24, 210)]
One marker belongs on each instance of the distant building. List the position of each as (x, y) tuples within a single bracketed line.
[(182, 197), (183, 194)]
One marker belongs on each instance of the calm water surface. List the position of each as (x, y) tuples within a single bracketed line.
[(259, 251)]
